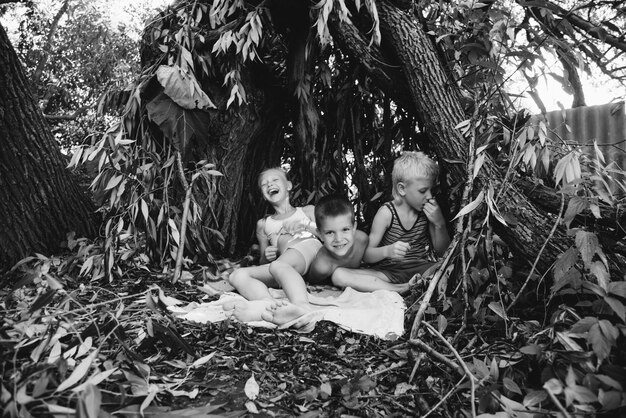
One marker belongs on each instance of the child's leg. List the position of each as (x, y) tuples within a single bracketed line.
[(287, 270), (252, 282), (366, 280)]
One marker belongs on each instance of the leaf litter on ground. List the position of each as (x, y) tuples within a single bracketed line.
[(118, 341)]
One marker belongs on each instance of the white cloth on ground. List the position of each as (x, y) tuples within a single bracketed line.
[(379, 313)]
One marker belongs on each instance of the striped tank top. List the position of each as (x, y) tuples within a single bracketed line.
[(417, 236)]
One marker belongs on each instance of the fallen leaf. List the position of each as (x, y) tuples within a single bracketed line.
[(251, 389)]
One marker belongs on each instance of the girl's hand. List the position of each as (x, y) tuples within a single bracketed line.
[(271, 252), (433, 212), (397, 249), (296, 226)]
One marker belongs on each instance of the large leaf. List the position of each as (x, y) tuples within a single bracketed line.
[(564, 262), (183, 88), (176, 123), (600, 342), (575, 206), (588, 245), (42, 300), (618, 288), (79, 372), (472, 205)]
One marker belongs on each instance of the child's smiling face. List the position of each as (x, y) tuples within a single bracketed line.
[(337, 233), (274, 185)]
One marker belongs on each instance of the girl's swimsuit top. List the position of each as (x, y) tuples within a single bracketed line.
[(274, 228)]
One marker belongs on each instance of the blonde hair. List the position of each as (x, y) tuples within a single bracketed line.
[(410, 165), (279, 169)]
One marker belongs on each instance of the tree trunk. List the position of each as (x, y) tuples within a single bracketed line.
[(41, 201), (549, 199), (242, 146), (436, 103)]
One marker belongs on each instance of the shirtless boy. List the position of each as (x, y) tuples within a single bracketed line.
[(343, 246)]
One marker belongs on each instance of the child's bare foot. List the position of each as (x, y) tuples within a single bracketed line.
[(247, 310), (405, 288), (281, 311)]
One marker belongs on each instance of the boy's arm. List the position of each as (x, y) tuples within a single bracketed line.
[(361, 242), (382, 220), (439, 237), (437, 227)]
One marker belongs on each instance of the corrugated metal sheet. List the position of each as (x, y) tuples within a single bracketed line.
[(605, 124)]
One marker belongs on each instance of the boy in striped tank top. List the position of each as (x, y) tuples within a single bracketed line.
[(404, 231)]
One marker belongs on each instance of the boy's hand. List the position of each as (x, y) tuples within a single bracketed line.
[(270, 252), (397, 249), (433, 212)]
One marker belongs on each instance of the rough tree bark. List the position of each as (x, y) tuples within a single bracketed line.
[(242, 146), (435, 101), (300, 63), (549, 199), (41, 201)]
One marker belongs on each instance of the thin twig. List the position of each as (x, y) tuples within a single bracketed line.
[(446, 396), (183, 232), (437, 355), (469, 374), (431, 289), (461, 230), (459, 333), (489, 244), (469, 345), (532, 270), (183, 223), (393, 366), (465, 266), (394, 347), (557, 403), (418, 361)]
